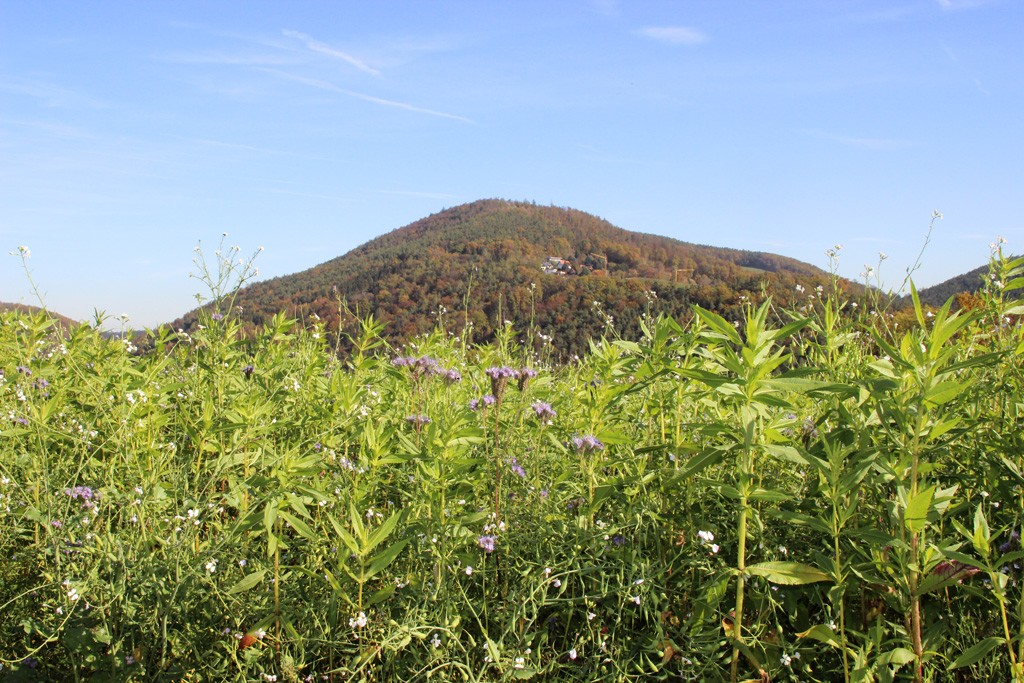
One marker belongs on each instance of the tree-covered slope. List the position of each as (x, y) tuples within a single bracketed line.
[(971, 282), (494, 260)]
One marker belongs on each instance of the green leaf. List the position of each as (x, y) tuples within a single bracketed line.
[(701, 462), (382, 532), (381, 595), (975, 653), (916, 514), (718, 324), (981, 534), (823, 634), (897, 657), (381, 561), (769, 495), (301, 527), (943, 392), (788, 573), (800, 518), (270, 515), (247, 582)]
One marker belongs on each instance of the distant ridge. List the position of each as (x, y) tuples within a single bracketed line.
[(495, 260), (65, 323), (971, 282)]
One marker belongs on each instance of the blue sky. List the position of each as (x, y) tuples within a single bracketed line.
[(130, 131)]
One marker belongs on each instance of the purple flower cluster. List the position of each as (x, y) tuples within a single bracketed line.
[(525, 375), (25, 371), (514, 464), (487, 543), (543, 410), (487, 400), (587, 444), (499, 379), (427, 366), (418, 420), (217, 316), (87, 495), (83, 492), (1011, 543), (247, 371), (419, 366), (503, 372)]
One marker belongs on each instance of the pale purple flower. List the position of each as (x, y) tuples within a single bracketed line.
[(543, 410), (487, 543), (587, 444), (514, 464)]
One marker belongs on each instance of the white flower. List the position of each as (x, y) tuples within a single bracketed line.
[(547, 571), (261, 634), (469, 571), (358, 622), (782, 549), (519, 663), (590, 616), (73, 595), (706, 536), (557, 583), (211, 566), (436, 641), (636, 599), (572, 653), (714, 547), (786, 659)]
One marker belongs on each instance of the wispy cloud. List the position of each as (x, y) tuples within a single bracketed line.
[(317, 46), (323, 85), (675, 35), (882, 15), (228, 59), (977, 82), (51, 94), (867, 143), (311, 195), (953, 5), (605, 7), (425, 195), (248, 148)]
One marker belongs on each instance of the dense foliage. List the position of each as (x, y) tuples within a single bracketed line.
[(830, 497), (486, 259)]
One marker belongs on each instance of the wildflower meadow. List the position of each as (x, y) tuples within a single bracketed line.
[(824, 491)]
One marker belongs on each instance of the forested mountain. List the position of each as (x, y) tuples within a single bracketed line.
[(495, 260), (971, 282), (62, 321)]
